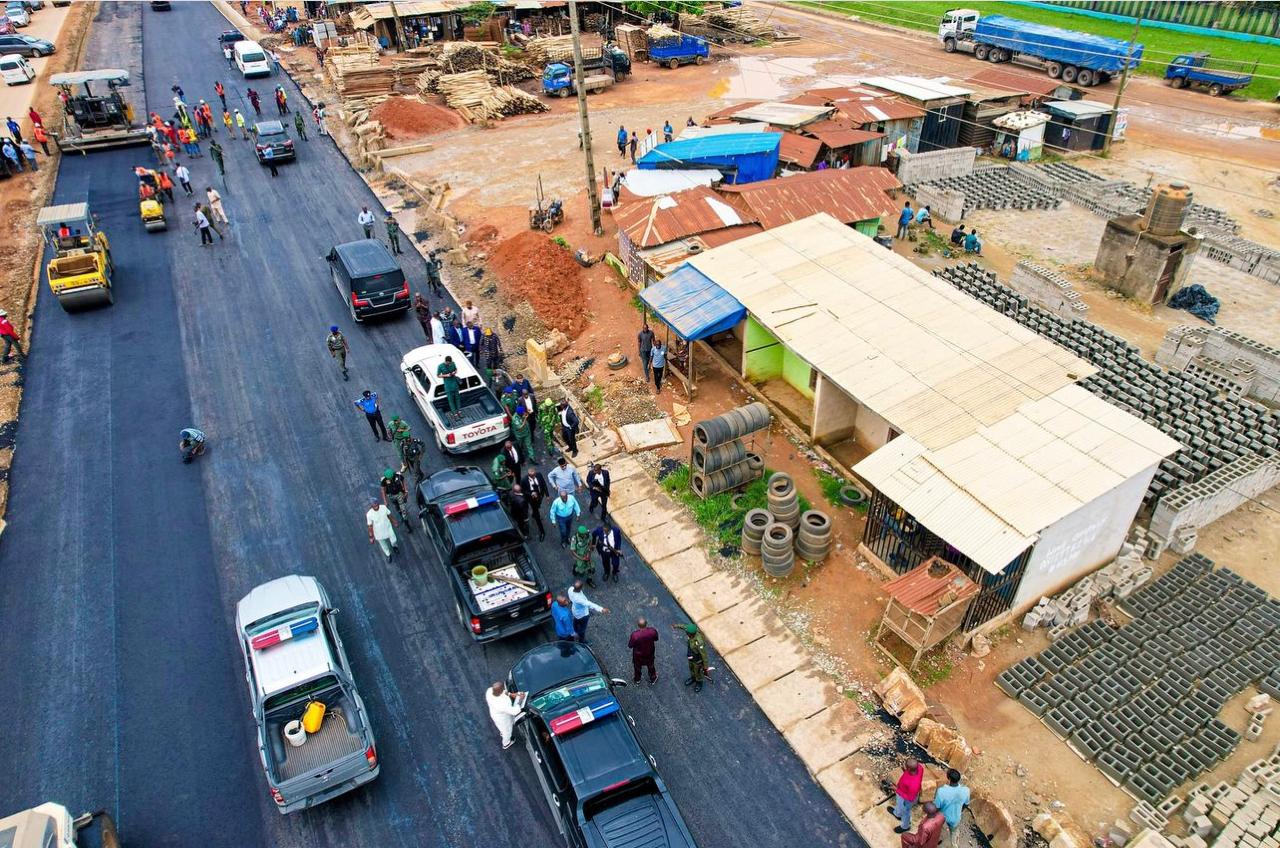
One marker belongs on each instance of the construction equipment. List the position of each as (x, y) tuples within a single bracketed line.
[(546, 214), (81, 268), (93, 121), (150, 201)]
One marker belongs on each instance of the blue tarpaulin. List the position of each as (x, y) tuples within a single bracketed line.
[(1197, 300), (692, 305), (742, 157)]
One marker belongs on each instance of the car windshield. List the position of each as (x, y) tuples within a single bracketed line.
[(553, 697), (272, 138), (274, 620)]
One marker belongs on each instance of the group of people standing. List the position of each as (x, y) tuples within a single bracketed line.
[(17, 154)]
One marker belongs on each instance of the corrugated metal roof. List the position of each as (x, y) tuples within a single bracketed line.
[(668, 217), (844, 138), (920, 592), (992, 492), (692, 305), (780, 114), (848, 195), (917, 88), (732, 109), (665, 258), (1076, 108), (798, 150), (932, 361), (999, 78)]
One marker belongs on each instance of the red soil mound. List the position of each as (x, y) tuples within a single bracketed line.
[(531, 267), (405, 118)]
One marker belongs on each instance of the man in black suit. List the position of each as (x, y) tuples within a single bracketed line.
[(511, 456), (534, 488), (518, 506), (598, 486), (569, 427)]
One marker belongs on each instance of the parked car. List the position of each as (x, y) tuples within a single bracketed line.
[(16, 70), (603, 789), (26, 45), (229, 36), (272, 142), (161, 5), (469, 527), (294, 660), (369, 279), (18, 14), (480, 420)]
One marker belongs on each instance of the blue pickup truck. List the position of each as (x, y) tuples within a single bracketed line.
[(673, 53), (1217, 75)]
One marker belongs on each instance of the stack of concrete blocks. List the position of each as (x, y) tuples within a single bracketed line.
[(1197, 504), (1243, 815), (1048, 290), (1000, 187), (934, 165), (1258, 707), (1234, 379), (1116, 580), (1141, 701), (945, 204), (1184, 345), (1216, 432), (1254, 259)]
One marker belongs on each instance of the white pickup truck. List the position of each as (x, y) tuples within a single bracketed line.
[(480, 420), (51, 826)]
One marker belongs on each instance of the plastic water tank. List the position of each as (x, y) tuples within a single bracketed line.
[(1167, 209)]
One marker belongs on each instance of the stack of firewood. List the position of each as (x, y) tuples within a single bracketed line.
[(630, 39), (478, 101), (741, 21), (355, 72), (661, 35), (543, 51)]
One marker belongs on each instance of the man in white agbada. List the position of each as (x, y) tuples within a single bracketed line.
[(504, 708)]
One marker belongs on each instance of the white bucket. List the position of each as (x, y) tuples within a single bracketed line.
[(294, 734)]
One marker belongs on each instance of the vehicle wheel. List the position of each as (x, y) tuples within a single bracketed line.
[(949, 45), (1085, 77), (1177, 82), (562, 93), (700, 60), (1054, 70), (462, 617), (673, 64), (994, 57), (548, 225), (1103, 78), (981, 52), (1069, 73), (1215, 90)]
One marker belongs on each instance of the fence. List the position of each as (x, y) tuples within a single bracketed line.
[(1259, 18)]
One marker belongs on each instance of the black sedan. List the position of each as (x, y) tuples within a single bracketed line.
[(603, 789), (272, 142)]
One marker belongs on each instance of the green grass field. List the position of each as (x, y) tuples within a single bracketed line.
[(1160, 45)]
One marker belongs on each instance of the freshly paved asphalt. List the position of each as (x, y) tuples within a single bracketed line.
[(120, 567)]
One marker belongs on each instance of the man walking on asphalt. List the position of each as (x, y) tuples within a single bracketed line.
[(338, 350), (562, 618), (580, 553), (643, 644), (282, 101), (598, 488), (504, 708), (215, 153), (696, 655), (518, 506), (951, 801), (411, 455), (582, 607), (608, 543), (433, 278), (184, 178), (202, 224), (244, 127), (569, 427), (300, 125), (564, 477), (535, 490), (365, 219), (658, 363), (437, 329), (10, 336), (209, 217), (522, 433), (215, 204), (221, 92), (395, 496), (645, 341), (930, 830), (423, 312), (382, 528), (470, 313), (368, 404), (393, 228), (254, 102), (564, 511), (226, 54)]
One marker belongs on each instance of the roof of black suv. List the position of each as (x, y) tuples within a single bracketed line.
[(366, 258), (459, 484)]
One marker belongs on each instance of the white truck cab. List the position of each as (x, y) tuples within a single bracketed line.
[(51, 826), (957, 22)]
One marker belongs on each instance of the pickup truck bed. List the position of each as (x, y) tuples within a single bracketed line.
[(468, 412), (334, 742)]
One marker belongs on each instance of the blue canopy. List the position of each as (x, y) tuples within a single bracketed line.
[(742, 157), (692, 305)]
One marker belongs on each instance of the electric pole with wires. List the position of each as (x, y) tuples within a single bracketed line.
[(1124, 80), (593, 194)]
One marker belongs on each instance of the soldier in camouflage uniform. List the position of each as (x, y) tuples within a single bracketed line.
[(338, 348), (697, 655)]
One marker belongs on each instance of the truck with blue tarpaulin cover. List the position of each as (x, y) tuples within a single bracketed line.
[(1074, 57), (1218, 76), (674, 53), (740, 157)]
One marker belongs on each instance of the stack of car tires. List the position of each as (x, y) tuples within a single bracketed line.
[(813, 539), (784, 503), (753, 527), (777, 550), (720, 460)]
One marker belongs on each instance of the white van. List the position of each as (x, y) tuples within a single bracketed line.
[(252, 60), (16, 69)]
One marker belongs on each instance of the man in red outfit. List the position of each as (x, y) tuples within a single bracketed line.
[(930, 830), (642, 647)]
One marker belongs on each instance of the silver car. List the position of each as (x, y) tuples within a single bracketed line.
[(295, 665)]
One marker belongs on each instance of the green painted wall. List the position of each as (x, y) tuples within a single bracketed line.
[(796, 372), (868, 227), (763, 353)]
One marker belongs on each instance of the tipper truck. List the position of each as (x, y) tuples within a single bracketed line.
[(1073, 57)]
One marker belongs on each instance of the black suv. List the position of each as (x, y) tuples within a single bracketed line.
[(600, 784), (272, 142), (368, 279)]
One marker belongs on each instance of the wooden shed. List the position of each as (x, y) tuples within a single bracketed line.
[(926, 605)]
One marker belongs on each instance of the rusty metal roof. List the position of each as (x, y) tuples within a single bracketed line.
[(799, 150), (836, 139), (1014, 82), (729, 111), (657, 220), (875, 111), (665, 258), (924, 594), (848, 195)]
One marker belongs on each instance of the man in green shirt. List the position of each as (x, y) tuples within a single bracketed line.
[(584, 566), (448, 372), (697, 655), (523, 435), (393, 231)]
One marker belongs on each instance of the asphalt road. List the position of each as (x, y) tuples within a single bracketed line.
[(121, 566)]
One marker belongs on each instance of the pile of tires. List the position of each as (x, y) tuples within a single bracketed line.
[(753, 527), (813, 538), (784, 502), (720, 461), (777, 550)]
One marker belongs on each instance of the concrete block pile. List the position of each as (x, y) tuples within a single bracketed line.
[(1142, 701), (1243, 815), (1048, 289), (1115, 581), (1185, 344), (999, 188), (1216, 432), (1242, 254)]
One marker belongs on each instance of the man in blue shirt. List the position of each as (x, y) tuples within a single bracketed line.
[(972, 244), (564, 509), (904, 220), (622, 141), (368, 404), (658, 363), (951, 801), (562, 618)]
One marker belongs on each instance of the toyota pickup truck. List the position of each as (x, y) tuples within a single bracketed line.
[(469, 528), (480, 420), (293, 660)]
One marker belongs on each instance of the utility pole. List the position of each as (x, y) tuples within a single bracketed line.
[(593, 196), (399, 28), (1124, 80)]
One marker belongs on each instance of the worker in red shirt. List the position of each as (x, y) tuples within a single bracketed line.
[(10, 336)]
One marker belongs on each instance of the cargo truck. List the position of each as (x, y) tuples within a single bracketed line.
[(1218, 76), (558, 81), (1080, 58), (674, 53)]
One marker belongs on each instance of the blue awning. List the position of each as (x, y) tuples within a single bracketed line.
[(692, 305)]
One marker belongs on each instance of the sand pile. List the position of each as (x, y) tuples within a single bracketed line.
[(533, 268), (406, 118)]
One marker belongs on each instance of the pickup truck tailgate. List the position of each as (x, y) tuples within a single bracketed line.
[(326, 748), (638, 822)]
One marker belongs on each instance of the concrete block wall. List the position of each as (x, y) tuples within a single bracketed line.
[(1200, 503), (1048, 289), (935, 164), (1184, 344), (1234, 379), (1180, 344), (946, 204)]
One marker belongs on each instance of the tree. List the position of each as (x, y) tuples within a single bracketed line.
[(475, 14), (670, 9)]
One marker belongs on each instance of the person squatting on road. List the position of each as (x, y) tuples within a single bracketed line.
[(504, 708), (338, 349), (191, 443), (368, 404)]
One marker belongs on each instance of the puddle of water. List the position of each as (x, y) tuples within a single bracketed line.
[(1227, 129), (762, 78)]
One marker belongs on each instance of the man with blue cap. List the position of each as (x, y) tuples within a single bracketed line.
[(337, 344)]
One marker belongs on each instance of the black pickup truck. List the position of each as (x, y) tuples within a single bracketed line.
[(470, 528)]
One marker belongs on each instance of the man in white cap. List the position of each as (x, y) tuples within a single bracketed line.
[(504, 708), (382, 527)]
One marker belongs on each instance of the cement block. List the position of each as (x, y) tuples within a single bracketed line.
[(682, 568), (645, 515), (671, 538), (796, 696)]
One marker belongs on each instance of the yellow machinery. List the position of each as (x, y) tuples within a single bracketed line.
[(94, 119), (152, 215), (81, 268)]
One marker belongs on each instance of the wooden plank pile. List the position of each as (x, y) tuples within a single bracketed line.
[(697, 25), (459, 56), (412, 62), (741, 21), (477, 100), (631, 40), (662, 35), (543, 51), (355, 72)]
